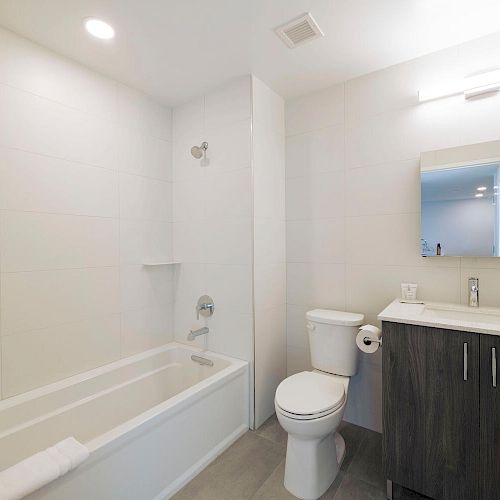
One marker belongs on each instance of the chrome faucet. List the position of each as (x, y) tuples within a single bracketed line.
[(196, 333), (473, 292), (205, 306)]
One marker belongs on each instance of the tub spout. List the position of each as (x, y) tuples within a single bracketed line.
[(196, 333)]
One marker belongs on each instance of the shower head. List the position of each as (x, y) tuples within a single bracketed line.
[(199, 151)]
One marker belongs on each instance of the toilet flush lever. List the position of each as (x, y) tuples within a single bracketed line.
[(311, 327)]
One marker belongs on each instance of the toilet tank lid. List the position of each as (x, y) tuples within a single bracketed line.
[(335, 317)]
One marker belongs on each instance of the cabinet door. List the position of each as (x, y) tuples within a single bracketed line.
[(490, 417), (431, 410)]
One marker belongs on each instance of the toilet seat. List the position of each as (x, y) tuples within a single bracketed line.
[(309, 395)]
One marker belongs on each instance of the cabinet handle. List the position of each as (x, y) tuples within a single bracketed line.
[(465, 360), (494, 366)]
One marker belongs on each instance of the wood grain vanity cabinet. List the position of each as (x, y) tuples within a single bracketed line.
[(441, 412)]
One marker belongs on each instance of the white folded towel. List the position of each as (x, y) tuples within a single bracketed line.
[(40, 469)]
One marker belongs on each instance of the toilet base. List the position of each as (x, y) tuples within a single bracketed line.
[(313, 464)]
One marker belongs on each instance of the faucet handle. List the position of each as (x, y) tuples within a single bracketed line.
[(205, 306)]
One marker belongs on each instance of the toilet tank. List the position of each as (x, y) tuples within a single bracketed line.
[(332, 340)]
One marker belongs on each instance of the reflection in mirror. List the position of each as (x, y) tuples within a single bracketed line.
[(459, 213)]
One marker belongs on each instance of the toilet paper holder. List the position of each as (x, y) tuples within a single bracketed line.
[(368, 341)]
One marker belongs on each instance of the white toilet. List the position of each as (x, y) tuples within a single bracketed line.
[(310, 405)]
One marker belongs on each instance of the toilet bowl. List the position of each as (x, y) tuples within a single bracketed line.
[(310, 405)]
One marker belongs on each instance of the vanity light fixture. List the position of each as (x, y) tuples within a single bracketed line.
[(482, 188), (479, 195), (98, 28), (471, 86)]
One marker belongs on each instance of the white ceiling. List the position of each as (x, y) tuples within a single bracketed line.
[(176, 49)]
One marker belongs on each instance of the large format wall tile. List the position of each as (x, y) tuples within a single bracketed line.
[(353, 198), (85, 187)]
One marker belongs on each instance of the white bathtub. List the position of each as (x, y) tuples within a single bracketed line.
[(151, 422)]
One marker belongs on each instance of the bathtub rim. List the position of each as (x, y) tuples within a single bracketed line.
[(164, 409)]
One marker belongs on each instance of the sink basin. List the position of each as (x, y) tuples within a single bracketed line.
[(468, 315), (456, 317)]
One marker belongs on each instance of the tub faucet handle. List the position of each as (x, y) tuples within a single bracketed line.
[(205, 306)]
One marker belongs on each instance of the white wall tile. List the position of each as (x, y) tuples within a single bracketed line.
[(144, 155), (229, 147), (146, 328), (37, 125), (297, 360), (315, 111), (45, 355), (316, 197), (189, 199), (352, 240), (315, 152), (378, 139), (370, 288), (75, 295), (297, 334), (316, 285), (67, 220), (270, 359), (316, 240), (268, 107), (145, 241), (228, 286), (231, 333), (227, 242), (397, 87), (185, 166), (392, 188), (143, 287), (32, 241), (228, 195), (269, 240), (364, 404), (39, 183), (188, 118), (489, 283), (189, 242), (28, 66), (144, 198), (269, 195), (228, 103), (269, 285)]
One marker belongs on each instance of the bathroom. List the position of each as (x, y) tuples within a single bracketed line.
[(241, 243)]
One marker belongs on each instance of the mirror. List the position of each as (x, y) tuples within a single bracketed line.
[(459, 211)]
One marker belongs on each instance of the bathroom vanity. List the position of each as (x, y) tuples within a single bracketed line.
[(441, 401)]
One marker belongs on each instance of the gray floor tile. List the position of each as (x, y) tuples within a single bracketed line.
[(353, 488), (238, 473), (274, 489), (272, 430), (367, 463), (353, 436), (254, 468)]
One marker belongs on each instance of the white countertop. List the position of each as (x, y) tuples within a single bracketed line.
[(449, 316)]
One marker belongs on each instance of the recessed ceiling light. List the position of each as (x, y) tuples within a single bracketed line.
[(479, 195), (482, 188), (99, 29)]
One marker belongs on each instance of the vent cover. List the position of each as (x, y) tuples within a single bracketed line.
[(299, 30)]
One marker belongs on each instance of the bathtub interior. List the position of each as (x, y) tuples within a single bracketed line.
[(91, 404)]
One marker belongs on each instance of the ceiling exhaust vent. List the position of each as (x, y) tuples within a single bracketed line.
[(299, 30)]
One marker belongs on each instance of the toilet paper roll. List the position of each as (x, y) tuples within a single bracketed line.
[(369, 338)]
